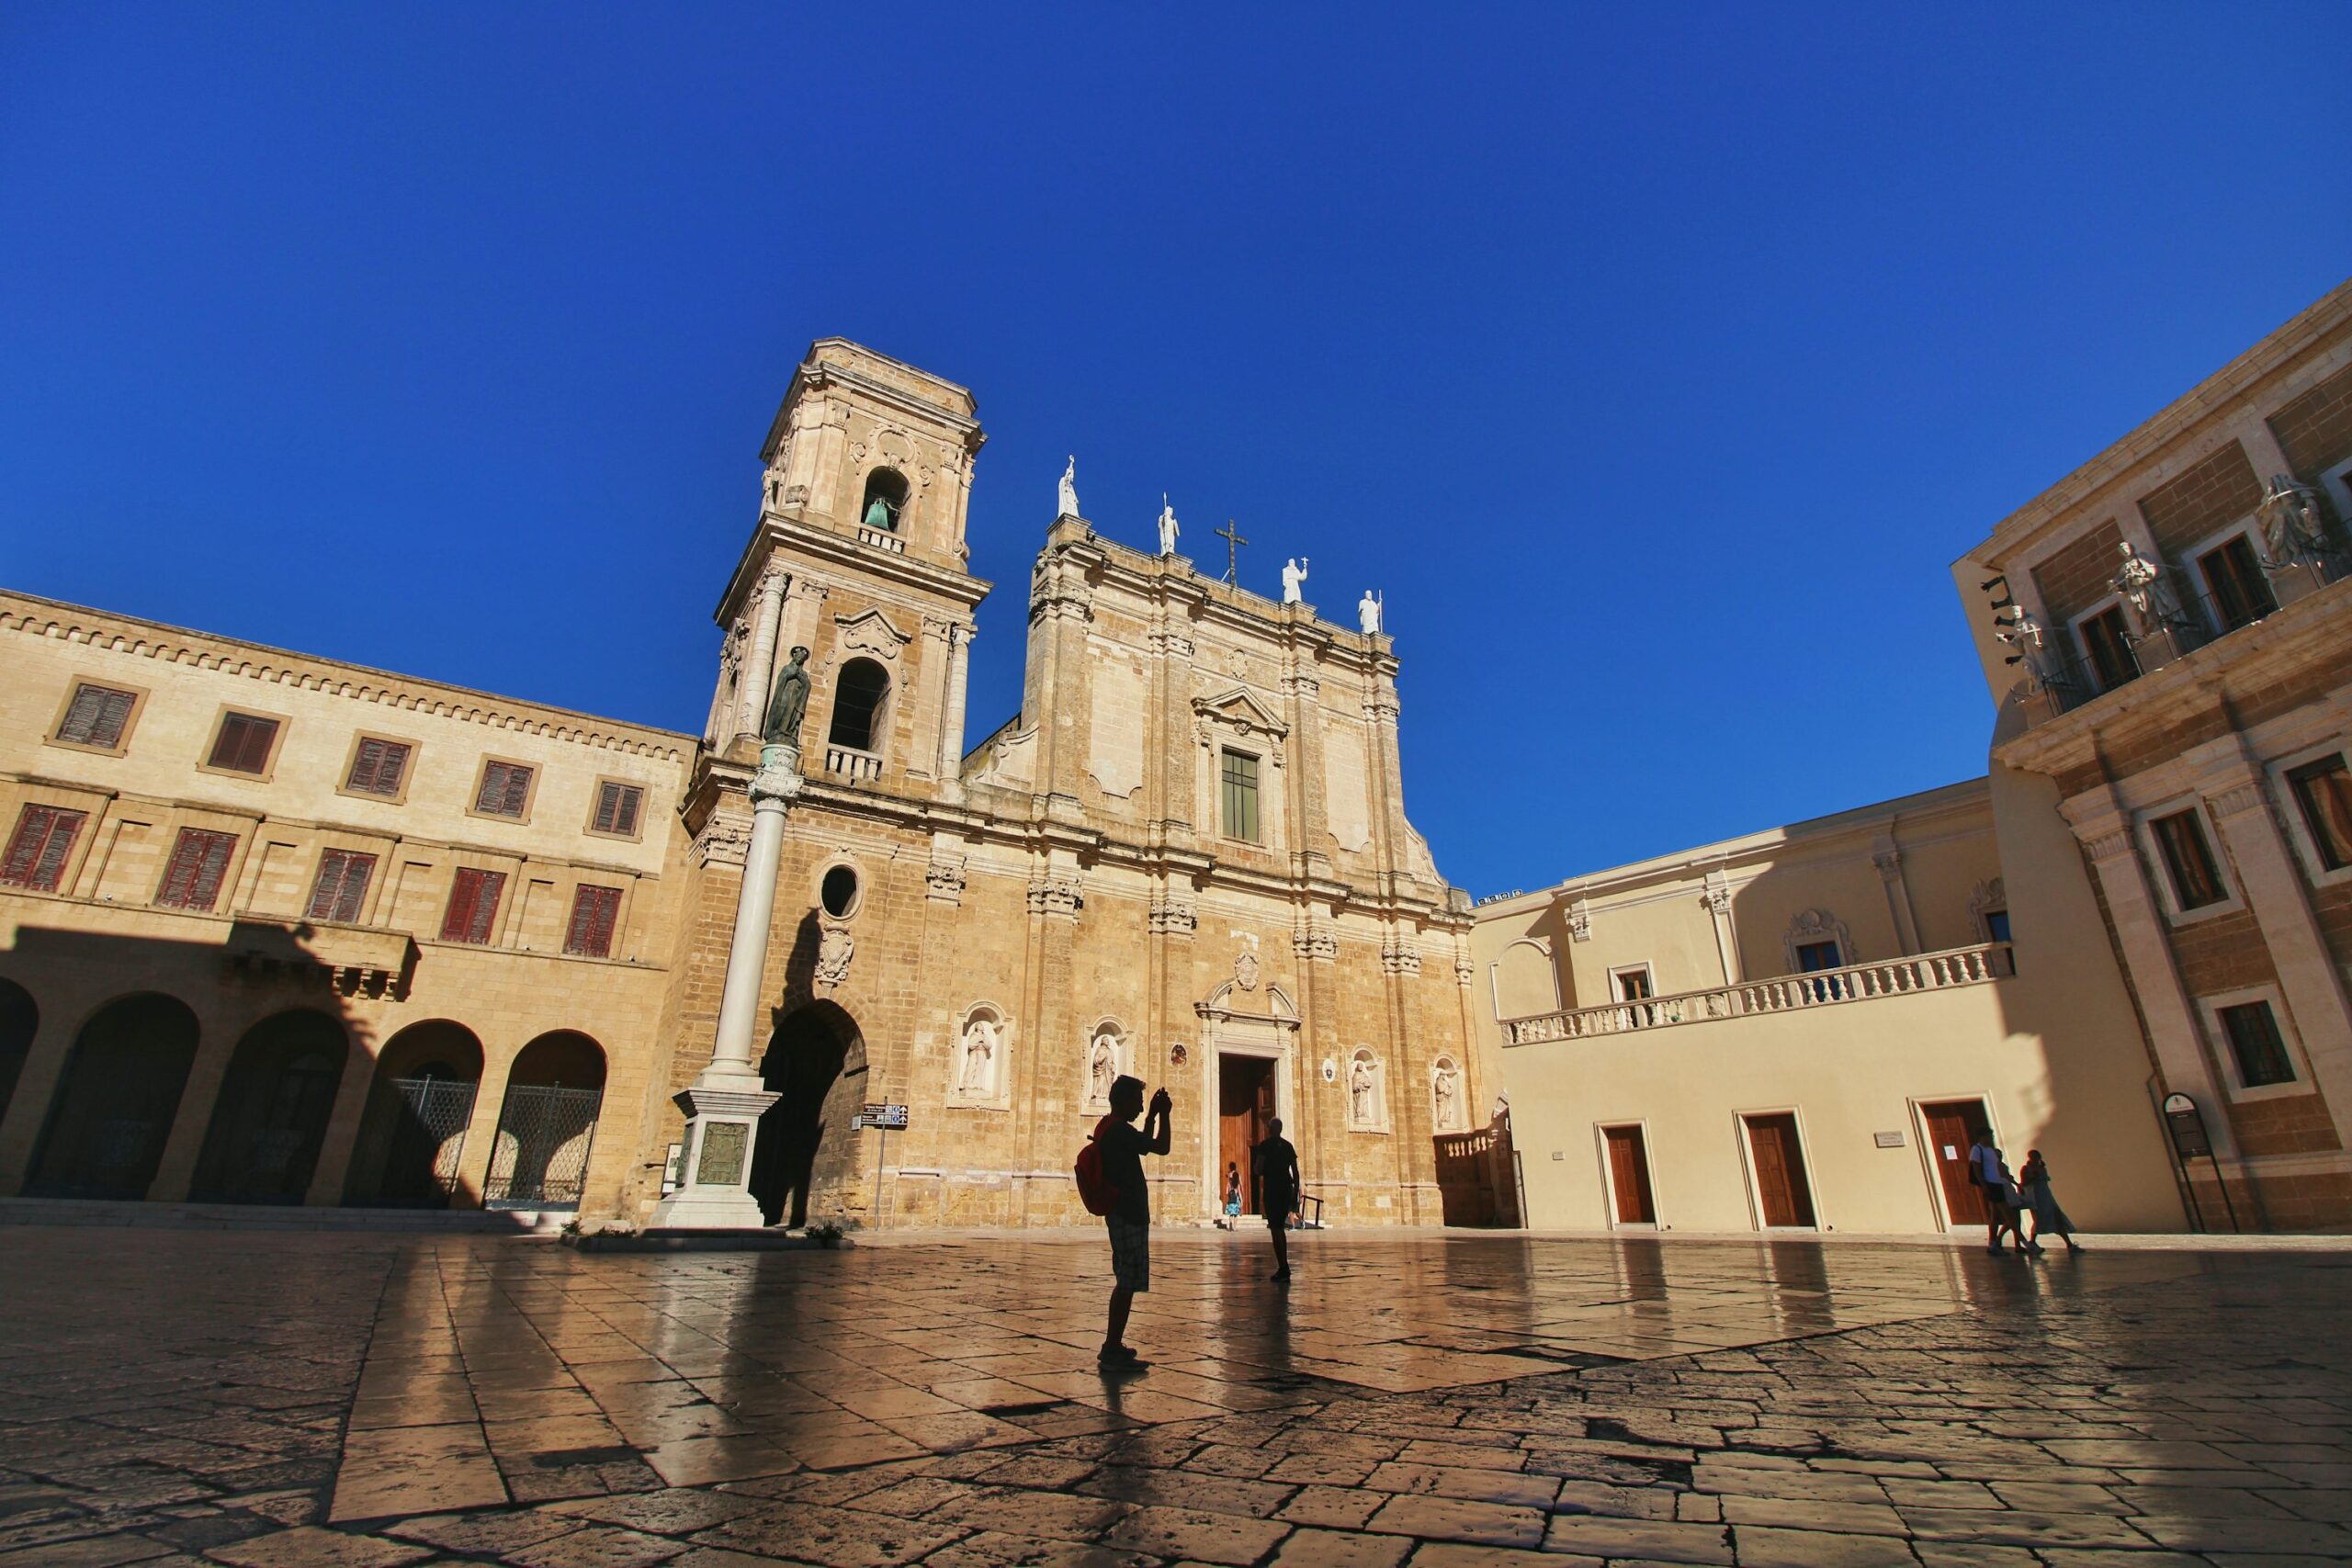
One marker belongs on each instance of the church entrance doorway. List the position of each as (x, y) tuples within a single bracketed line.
[(1245, 1115), (816, 1063)]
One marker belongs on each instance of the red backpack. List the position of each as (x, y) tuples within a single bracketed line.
[(1093, 1189)]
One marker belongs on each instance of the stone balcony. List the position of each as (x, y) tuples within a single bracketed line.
[(1920, 972), (851, 765)]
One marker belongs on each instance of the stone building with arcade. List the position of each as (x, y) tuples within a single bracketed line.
[(275, 927)]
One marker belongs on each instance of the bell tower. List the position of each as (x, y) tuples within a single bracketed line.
[(859, 556)]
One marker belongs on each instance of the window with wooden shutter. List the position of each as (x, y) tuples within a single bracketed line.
[(473, 906), (377, 767), (37, 849), (617, 806), (96, 716), (594, 912), (199, 861), (243, 745), (341, 885), (506, 790)]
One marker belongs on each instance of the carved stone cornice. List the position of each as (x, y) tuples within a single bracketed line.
[(943, 879), (2243, 796), (1315, 939), (1058, 897), (1381, 710), (1306, 687), (1173, 916), (1169, 645), (2107, 846), (1398, 955)]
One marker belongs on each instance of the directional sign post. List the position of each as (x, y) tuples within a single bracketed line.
[(884, 1118)]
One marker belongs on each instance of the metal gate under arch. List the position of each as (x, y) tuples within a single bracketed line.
[(540, 1160)]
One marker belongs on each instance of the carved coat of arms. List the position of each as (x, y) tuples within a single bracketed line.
[(1245, 970)]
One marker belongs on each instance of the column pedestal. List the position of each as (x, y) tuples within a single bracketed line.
[(724, 1103)]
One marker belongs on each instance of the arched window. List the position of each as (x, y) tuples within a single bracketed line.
[(886, 499), (857, 706)]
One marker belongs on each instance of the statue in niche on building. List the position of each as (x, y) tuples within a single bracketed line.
[(1445, 1086), (1168, 529), (2293, 532), (1368, 612), (1102, 1068), (1363, 1081), (2148, 590), (1294, 577), (980, 1038), (1069, 490), (789, 703)]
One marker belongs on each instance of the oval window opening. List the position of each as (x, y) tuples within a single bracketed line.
[(839, 892)]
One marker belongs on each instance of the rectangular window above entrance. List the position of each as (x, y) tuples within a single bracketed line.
[(1240, 777)]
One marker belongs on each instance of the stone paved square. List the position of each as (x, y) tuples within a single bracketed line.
[(278, 1400)]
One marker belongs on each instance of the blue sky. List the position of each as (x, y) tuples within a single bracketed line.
[(1655, 361)]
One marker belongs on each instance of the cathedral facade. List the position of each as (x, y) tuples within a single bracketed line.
[(278, 929)]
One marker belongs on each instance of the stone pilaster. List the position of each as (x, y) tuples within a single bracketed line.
[(760, 661)]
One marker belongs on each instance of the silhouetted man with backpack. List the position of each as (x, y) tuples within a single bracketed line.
[(1276, 1162), (1111, 1184)]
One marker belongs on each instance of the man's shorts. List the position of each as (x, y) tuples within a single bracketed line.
[(1130, 1253), (1279, 1208)]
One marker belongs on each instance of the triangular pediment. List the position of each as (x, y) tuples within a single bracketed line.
[(1239, 709)]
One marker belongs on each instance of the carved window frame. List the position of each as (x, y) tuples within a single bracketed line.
[(2225, 1060), (1990, 897), (1819, 924), (2159, 870), (2291, 808)]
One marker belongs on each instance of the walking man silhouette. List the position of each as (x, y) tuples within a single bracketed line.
[(1275, 1165)]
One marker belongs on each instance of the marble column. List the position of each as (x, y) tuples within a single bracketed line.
[(724, 1102), (759, 664)]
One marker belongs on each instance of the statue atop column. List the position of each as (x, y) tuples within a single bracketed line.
[(1069, 490), (1168, 529), (788, 704), (1294, 574), (1368, 612)]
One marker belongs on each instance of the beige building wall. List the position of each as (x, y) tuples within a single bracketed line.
[(99, 935), (2211, 694), (1924, 1009)]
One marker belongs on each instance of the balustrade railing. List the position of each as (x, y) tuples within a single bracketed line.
[(851, 765), (881, 540), (1782, 993)]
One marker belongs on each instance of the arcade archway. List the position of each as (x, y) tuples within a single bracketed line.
[(418, 1112), (271, 1119), (18, 1021), (114, 1106), (816, 1062), (547, 1123)]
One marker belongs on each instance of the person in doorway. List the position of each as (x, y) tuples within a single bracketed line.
[(1232, 1195), (1129, 1220), (1990, 1177), (1275, 1165), (2048, 1219)]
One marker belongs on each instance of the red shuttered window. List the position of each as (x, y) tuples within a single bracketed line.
[(242, 746), (473, 906), (617, 806), (594, 912), (97, 716), (506, 790), (37, 849), (192, 880), (377, 767), (341, 885)]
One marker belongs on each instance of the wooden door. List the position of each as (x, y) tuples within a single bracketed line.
[(1952, 1127), (1629, 1176), (1245, 1111), (1781, 1185)]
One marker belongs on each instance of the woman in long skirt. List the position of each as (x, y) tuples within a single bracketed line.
[(2033, 1189)]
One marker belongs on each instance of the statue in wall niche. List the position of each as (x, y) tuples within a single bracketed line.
[(978, 1075), (2293, 532), (1445, 1083), (1102, 1069), (1168, 529), (1360, 1082), (1070, 491), (2146, 588), (789, 703), (1368, 612), (1294, 576)]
